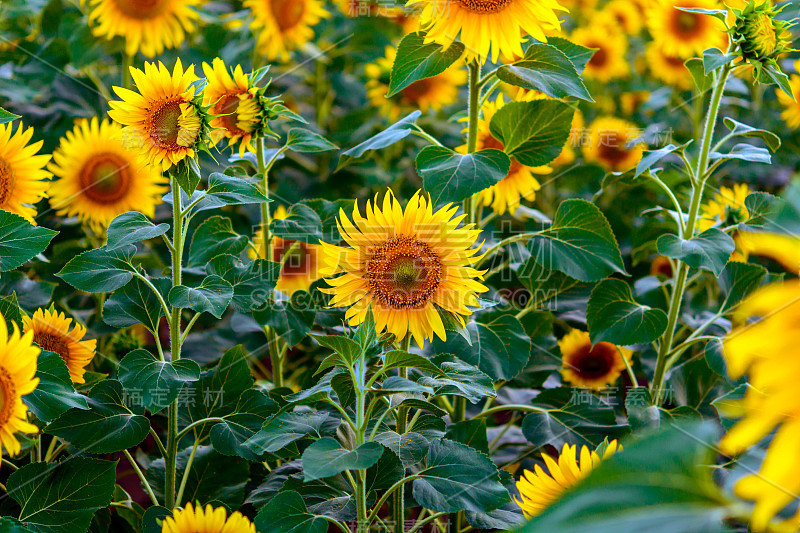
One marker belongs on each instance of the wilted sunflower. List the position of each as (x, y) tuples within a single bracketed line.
[(405, 266), (100, 178), (17, 378), (538, 490), (670, 69), (487, 27), (725, 207), (164, 122), (284, 25), (427, 94), (197, 520), (584, 365), (609, 144), (611, 44), (300, 269), (51, 331), (22, 175), (685, 34), (791, 105), (148, 26)]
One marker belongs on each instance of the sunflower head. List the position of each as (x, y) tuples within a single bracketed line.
[(23, 180), (613, 144), (18, 358), (192, 519), (761, 36), (726, 207), (586, 365), (51, 331)]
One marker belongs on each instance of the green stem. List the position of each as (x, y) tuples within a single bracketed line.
[(275, 357), (473, 110), (196, 423), (262, 170), (501, 408), (377, 507), (399, 504), (143, 479), (186, 471), (127, 63)]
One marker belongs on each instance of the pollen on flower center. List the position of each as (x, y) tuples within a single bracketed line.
[(106, 178), (287, 13), (163, 123), (403, 273), (52, 343), (485, 6), (8, 396), (6, 181), (142, 9)]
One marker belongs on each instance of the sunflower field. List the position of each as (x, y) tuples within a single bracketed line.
[(422, 266)]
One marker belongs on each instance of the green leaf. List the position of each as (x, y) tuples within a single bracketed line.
[(152, 518), (135, 303), (290, 319), (534, 132), (215, 236), (301, 224), (10, 311), (7, 116), (579, 243), (461, 379), (100, 270), (543, 283), (155, 383), (715, 358), (500, 347), (55, 394), (737, 281), (131, 228), (231, 436), (20, 241), (451, 177), (739, 129), (12, 525), (770, 74), (652, 157), (349, 349), (458, 478), (326, 458), (416, 60), (252, 282), (614, 316), (62, 497), (187, 174), (31, 294), (287, 512), (470, 432), (286, 428), (402, 359), (710, 250), (306, 141), (744, 152), (642, 414), (395, 384), (761, 207), (230, 190), (577, 54), (410, 448), (547, 69), (697, 69), (394, 133), (713, 59), (661, 482), (212, 296), (107, 426)]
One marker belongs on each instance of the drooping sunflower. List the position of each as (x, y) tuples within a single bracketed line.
[(686, 34), (791, 106), (148, 26), (404, 265), (22, 175), (284, 25), (18, 358), (725, 207), (611, 44), (163, 121), (539, 489), (434, 93), (584, 365), (51, 331), (195, 519), (609, 144), (300, 269), (100, 178), (670, 69), (495, 27)]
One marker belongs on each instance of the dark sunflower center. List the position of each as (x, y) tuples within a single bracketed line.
[(596, 362), (417, 90), (675, 61), (8, 396), (227, 106), (613, 148), (6, 181), (600, 57), (287, 13), (52, 343), (403, 273), (299, 260), (687, 24), (484, 7), (142, 9), (106, 178), (163, 126)]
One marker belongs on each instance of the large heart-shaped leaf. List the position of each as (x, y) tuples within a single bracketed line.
[(326, 458), (100, 270), (287, 512), (547, 69), (460, 379), (215, 236), (533, 132), (155, 383), (212, 296), (451, 177), (55, 394), (614, 316), (416, 60), (709, 250), (280, 431), (131, 228), (135, 303), (20, 241)]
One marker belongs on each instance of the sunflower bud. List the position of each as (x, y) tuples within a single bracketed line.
[(762, 37)]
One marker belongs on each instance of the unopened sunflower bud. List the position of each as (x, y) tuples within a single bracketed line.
[(762, 37)]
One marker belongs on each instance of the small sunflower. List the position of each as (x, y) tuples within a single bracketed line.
[(404, 266), (209, 520), (495, 27), (100, 178), (685, 34), (661, 267), (585, 365), (164, 120), (51, 332), (538, 490), (22, 175), (628, 18), (300, 269), (284, 25), (18, 358), (608, 62), (791, 105), (726, 207), (609, 144), (668, 68), (434, 93), (148, 26)]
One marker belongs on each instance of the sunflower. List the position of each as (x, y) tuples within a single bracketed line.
[(540, 489), (488, 26), (609, 144), (784, 249), (726, 207), (661, 266), (196, 520), (284, 25), (404, 266), (163, 121), (686, 34), (791, 105), (148, 26), (17, 378), (668, 68), (22, 175), (585, 365), (300, 269), (51, 331), (611, 44), (100, 178), (629, 19), (434, 93)]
